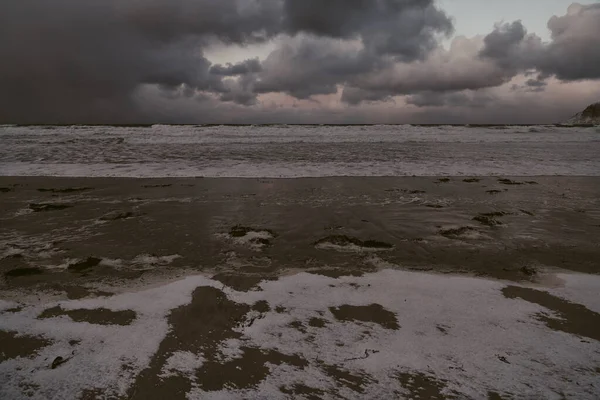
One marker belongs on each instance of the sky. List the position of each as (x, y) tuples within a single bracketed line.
[(291, 61)]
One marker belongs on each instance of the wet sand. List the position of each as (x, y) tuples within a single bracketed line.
[(70, 245)]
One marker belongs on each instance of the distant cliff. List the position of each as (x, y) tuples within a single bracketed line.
[(589, 116)]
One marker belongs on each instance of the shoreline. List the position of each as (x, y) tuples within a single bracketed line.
[(285, 288), (491, 226)]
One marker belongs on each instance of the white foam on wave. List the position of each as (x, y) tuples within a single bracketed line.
[(297, 151)]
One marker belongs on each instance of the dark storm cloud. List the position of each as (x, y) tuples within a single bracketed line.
[(572, 54), (403, 28), (75, 61), (81, 61)]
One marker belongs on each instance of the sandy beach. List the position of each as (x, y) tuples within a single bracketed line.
[(408, 287)]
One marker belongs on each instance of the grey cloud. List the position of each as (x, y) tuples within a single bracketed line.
[(242, 68), (572, 54), (240, 91), (502, 108), (502, 40), (305, 66), (401, 28), (535, 83), (472, 99), (443, 71)]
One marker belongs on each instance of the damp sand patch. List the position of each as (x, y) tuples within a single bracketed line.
[(98, 316), (565, 316), (13, 345), (374, 313)]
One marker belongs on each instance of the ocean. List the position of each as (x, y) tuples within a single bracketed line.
[(289, 151)]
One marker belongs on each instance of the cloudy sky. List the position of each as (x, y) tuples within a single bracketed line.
[(297, 61)]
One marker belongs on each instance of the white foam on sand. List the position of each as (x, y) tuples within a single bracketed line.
[(579, 288), (459, 329), (481, 327), (182, 363), (107, 357)]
